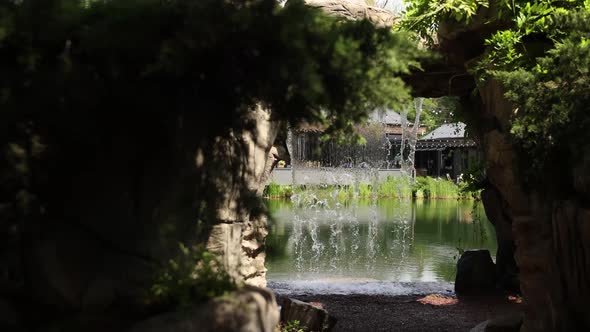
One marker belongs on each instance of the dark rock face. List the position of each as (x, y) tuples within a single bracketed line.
[(238, 238), (476, 272), (310, 317), (548, 232), (86, 225), (498, 214)]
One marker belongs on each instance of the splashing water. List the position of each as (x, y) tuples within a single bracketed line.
[(327, 188), (409, 138)]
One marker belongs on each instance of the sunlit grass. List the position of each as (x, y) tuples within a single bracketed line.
[(392, 187)]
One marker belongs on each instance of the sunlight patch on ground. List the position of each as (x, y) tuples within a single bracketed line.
[(437, 300)]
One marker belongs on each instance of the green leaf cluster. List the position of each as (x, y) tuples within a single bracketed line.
[(193, 276), (530, 34), (292, 326), (538, 50), (424, 17), (437, 111), (550, 122)]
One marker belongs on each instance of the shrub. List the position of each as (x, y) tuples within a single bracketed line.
[(392, 187), (274, 190), (292, 326), (395, 186), (193, 276)]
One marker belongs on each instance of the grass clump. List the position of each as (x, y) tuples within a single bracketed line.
[(435, 188), (395, 187), (274, 190), (391, 187)]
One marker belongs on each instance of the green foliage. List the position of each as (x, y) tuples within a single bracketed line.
[(292, 326), (392, 187), (530, 35), (539, 52), (550, 124), (90, 79), (274, 190), (430, 188), (395, 186), (474, 179), (424, 16), (365, 190), (530, 31), (193, 276), (300, 62), (438, 111)]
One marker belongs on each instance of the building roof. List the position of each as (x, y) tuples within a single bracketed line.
[(385, 116), (448, 130), (306, 127)]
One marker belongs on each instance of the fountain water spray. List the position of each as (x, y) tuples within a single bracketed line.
[(327, 180)]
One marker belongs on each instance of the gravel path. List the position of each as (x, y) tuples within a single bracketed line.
[(407, 313)]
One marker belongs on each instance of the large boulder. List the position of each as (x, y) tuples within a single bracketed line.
[(476, 272), (249, 310), (310, 317)]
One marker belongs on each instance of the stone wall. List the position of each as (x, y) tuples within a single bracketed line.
[(239, 237), (86, 224)]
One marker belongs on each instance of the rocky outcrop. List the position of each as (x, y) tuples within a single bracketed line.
[(543, 235), (476, 272), (355, 10), (87, 224), (249, 310), (239, 237), (310, 317), (547, 230)]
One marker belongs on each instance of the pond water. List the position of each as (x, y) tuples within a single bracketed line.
[(390, 241)]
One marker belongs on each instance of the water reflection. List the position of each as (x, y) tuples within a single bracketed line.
[(393, 240)]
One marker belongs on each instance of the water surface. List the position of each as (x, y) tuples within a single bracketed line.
[(390, 241)]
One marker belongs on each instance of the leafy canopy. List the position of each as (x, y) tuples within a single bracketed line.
[(65, 60), (540, 52)]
